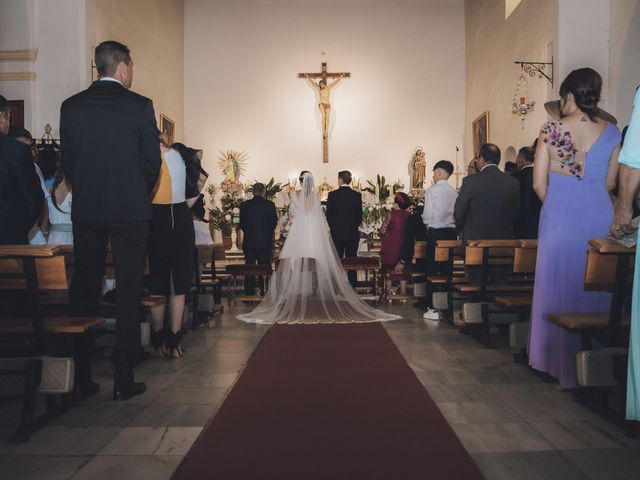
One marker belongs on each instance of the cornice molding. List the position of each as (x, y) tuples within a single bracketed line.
[(18, 55), (17, 76)]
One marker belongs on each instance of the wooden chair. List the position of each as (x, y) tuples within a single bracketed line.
[(609, 268), (203, 258), (34, 270)]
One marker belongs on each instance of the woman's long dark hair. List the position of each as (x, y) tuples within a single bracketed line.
[(47, 159), (58, 178), (586, 85)]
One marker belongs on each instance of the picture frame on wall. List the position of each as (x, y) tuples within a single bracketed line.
[(168, 126), (480, 131), (16, 109)]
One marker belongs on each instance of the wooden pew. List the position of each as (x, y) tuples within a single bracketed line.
[(243, 270), (211, 274), (34, 269), (370, 266), (452, 254), (524, 267), (204, 261), (411, 274), (485, 254), (609, 268)]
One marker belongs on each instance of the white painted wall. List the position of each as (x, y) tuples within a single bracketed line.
[(62, 71), (493, 43), (406, 58), (583, 40), (625, 57), (17, 32), (154, 32)]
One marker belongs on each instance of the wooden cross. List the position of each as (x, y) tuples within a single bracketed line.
[(325, 106)]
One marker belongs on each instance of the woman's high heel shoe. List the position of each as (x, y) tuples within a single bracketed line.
[(173, 344), (158, 342)]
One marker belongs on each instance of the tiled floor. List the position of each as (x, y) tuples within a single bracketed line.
[(514, 425)]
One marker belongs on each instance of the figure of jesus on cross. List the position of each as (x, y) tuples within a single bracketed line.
[(324, 91)]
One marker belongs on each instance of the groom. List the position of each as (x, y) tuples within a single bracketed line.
[(344, 215), (258, 220)]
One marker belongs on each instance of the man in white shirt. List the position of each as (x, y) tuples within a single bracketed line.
[(439, 201)]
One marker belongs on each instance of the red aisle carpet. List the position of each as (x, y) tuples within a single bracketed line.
[(328, 402)]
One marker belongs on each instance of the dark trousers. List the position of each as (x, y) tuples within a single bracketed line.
[(253, 256), (431, 266), (129, 247), (348, 248)]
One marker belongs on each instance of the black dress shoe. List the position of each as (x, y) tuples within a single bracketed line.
[(124, 393)]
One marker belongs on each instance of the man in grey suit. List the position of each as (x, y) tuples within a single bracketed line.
[(487, 205)]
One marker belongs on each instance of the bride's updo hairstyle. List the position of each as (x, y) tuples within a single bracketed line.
[(586, 85), (301, 178)]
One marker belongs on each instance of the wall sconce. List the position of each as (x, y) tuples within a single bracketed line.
[(523, 102)]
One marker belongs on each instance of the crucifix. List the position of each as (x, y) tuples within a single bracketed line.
[(324, 91)]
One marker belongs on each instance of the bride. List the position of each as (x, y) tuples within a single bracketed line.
[(309, 285)]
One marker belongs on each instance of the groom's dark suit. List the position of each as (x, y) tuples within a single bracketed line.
[(111, 154), (344, 215), (529, 214), (258, 221)]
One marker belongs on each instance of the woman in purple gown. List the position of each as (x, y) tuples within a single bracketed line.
[(575, 168)]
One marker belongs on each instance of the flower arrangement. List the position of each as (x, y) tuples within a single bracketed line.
[(231, 187), (372, 218), (380, 189), (271, 188), (397, 186), (220, 221), (284, 223)]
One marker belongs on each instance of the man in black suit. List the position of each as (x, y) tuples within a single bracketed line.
[(344, 215), (111, 155), (258, 221), (487, 205), (21, 197), (530, 205)]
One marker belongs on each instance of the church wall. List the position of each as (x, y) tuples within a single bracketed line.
[(625, 60), (61, 66), (17, 32), (406, 58), (493, 43), (154, 31)]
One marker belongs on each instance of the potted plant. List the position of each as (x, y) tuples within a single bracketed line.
[(221, 221), (380, 189)]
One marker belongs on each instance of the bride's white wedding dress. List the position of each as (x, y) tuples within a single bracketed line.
[(309, 285)]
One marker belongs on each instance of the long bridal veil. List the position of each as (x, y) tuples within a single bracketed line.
[(309, 284)]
